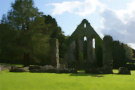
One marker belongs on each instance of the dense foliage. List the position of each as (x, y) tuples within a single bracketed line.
[(122, 53), (25, 35)]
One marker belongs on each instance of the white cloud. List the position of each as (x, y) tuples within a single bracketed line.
[(115, 27), (81, 8), (126, 14), (67, 6), (132, 45), (120, 24)]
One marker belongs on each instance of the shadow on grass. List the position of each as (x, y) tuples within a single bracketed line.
[(87, 74)]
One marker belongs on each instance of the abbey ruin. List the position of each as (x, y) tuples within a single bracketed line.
[(87, 51)]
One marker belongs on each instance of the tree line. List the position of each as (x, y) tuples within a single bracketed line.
[(25, 34)]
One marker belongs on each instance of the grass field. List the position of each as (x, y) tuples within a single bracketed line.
[(53, 81)]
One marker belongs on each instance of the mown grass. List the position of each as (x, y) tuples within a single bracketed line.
[(53, 81)]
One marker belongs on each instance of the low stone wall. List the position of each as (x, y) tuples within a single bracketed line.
[(51, 69), (4, 67)]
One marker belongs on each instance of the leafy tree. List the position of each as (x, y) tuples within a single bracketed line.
[(119, 56), (25, 35), (39, 42), (128, 52), (133, 53), (20, 17), (4, 19), (55, 32), (22, 14), (8, 47), (42, 30)]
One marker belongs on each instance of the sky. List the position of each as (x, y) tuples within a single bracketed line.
[(107, 17)]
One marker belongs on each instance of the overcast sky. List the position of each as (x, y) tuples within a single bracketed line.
[(108, 17)]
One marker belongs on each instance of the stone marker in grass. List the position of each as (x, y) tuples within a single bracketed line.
[(124, 70)]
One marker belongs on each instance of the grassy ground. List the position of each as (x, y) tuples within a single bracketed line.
[(53, 81)]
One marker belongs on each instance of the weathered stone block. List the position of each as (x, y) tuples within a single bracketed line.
[(124, 70), (18, 69), (34, 67)]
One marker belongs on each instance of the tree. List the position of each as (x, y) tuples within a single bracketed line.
[(43, 29), (133, 53), (119, 56), (55, 32), (39, 41), (22, 14), (8, 45), (31, 34), (20, 17), (4, 19), (128, 52)]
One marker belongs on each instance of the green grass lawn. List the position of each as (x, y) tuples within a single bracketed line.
[(53, 81)]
